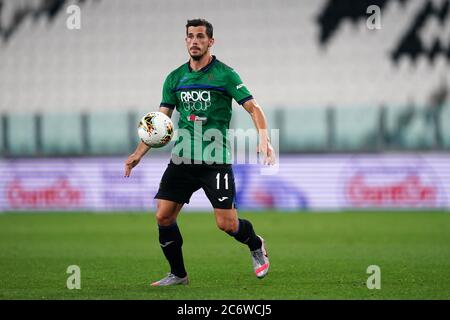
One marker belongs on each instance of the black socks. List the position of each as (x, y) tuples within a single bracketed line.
[(171, 241), (245, 234)]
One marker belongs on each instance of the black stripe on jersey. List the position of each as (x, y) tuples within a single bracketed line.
[(242, 101), (198, 86), (167, 105)]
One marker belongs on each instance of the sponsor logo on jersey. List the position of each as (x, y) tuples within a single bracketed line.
[(193, 117), (239, 86), (196, 100)]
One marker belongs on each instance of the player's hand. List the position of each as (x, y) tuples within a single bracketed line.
[(266, 149), (130, 163)]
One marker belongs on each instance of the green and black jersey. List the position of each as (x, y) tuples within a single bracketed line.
[(204, 99)]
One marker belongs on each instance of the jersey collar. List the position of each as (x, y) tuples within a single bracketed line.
[(205, 68)]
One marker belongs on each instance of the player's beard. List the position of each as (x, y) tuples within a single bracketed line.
[(198, 57)]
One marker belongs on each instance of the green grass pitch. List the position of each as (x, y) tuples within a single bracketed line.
[(313, 256)]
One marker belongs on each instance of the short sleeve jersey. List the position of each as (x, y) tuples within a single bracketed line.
[(204, 100)]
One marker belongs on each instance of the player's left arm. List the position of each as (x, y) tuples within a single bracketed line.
[(260, 121)]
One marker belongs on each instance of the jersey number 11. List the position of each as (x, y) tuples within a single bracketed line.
[(225, 177)]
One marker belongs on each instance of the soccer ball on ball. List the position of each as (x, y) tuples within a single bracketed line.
[(155, 129)]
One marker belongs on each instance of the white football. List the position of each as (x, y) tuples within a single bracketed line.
[(155, 129)]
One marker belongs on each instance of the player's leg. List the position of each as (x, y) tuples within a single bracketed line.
[(242, 230), (175, 190), (218, 183), (170, 238)]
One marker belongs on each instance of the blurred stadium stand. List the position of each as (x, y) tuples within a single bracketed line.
[(325, 80)]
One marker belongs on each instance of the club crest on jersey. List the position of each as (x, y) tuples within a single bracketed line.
[(197, 100)]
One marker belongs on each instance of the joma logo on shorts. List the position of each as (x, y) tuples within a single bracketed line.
[(196, 100)]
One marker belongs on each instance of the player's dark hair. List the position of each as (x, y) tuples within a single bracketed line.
[(200, 23)]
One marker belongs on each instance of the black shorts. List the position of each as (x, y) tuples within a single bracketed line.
[(180, 181)]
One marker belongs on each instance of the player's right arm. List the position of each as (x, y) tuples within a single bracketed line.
[(141, 149), (135, 157), (167, 105)]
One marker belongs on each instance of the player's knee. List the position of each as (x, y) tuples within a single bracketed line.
[(166, 214), (164, 219)]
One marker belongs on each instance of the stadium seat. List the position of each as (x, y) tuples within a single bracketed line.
[(304, 129), (119, 58), (445, 126), (357, 128), (115, 62), (420, 134), (109, 133), (397, 119), (2, 146), (407, 127), (62, 134), (22, 141)]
